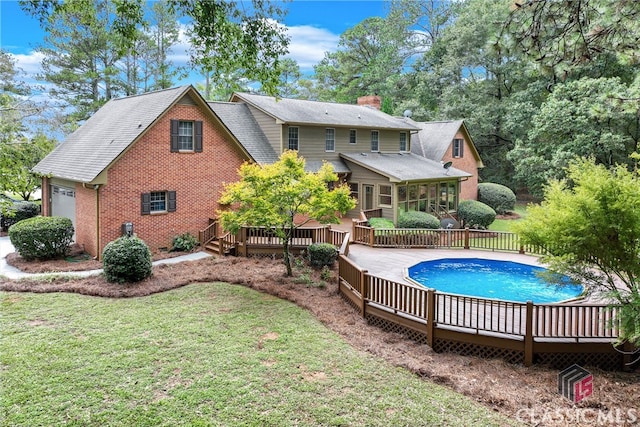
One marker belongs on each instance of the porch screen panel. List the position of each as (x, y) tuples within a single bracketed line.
[(402, 198), (413, 197), (423, 194)]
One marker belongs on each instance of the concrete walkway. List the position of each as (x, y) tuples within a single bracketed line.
[(9, 272)]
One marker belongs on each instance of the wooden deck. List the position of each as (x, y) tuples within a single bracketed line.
[(375, 281)]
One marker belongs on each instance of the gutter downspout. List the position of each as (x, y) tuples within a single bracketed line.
[(97, 188)]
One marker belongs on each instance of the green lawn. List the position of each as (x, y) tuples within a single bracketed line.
[(505, 224), (201, 355)]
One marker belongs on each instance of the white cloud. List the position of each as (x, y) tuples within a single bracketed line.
[(179, 54), (309, 44), (30, 63)]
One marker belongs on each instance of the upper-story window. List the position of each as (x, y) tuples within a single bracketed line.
[(458, 148), (330, 139), (294, 143), (353, 136), (403, 141), (186, 135), (375, 140)]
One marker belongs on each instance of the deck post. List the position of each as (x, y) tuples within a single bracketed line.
[(431, 315), (528, 337), (372, 236), (466, 238), (365, 293)]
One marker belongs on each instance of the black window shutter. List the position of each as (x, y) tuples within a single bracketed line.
[(462, 148), (171, 201), (174, 135), (198, 137), (146, 204)]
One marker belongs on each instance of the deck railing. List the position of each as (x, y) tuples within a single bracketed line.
[(440, 238), (264, 240), (526, 327), (209, 233)]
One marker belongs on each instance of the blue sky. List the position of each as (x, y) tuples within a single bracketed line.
[(314, 28)]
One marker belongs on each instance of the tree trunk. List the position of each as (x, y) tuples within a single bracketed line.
[(287, 255)]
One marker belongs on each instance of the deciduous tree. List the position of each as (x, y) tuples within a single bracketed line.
[(578, 119), (283, 196), (590, 224), (16, 160)]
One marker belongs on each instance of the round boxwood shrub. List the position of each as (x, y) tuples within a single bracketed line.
[(497, 196), (42, 237), (19, 211), (126, 259), (475, 214), (416, 219), (321, 254)]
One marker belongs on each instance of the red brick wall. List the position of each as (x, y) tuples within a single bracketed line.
[(374, 101), (149, 166), (467, 163), (86, 235)]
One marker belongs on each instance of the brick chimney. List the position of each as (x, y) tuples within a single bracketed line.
[(374, 101)]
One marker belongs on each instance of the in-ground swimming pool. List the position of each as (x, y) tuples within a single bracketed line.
[(484, 278)]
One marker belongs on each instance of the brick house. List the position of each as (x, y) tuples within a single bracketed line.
[(160, 160), (157, 160), (449, 141)]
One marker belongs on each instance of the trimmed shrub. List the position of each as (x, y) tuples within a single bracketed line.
[(42, 237), (322, 254), (381, 223), (416, 219), (19, 211), (476, 214), (497, 196), (184, 243), (126, 259)]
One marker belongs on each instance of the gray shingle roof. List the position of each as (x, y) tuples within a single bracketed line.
[(400, 167), (434, 138), (298, 111), (314, 166), (103, 137), (238, 119)]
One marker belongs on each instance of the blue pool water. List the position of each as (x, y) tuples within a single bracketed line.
[(505, 280)]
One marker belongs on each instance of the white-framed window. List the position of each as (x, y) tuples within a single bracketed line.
[(353, 136), (384, 195), (353, 186), (294, 143), (403, 141), (375, 140), (330, 139), (185, 136), (458, 148), (158, 201)]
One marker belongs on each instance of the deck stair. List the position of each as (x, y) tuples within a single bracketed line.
[(213, 247)]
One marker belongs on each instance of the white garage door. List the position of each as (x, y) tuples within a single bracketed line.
[(63, 202)]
